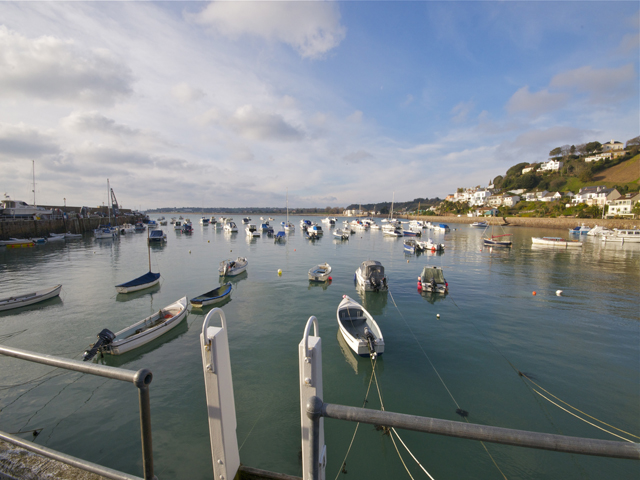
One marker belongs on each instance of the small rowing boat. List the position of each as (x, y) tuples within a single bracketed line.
[(320, 273), (230, 268), (25, 299), (359, 329), (216, 295), (139, 333)]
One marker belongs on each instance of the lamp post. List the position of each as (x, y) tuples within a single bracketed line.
[(65, 202)]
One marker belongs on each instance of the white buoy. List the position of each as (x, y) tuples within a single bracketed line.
[(559, 293), (437, 315)]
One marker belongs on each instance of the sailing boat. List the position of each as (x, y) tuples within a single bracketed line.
[(288, 226), (145, 281), (496, 240), (106, 232), (392, 228)]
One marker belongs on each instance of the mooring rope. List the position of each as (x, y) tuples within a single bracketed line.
[(524, 375), (364, 403), (442, 381)]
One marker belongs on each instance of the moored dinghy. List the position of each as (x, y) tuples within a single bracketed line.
[(216, 295), (370, 276), (432, 280), (25, 299), (139, 333), (320, 273), (147, 280), (229, 268), (359, 329)]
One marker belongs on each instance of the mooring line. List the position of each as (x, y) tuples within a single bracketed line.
[(522, 374), (364, 403), (441, 380)]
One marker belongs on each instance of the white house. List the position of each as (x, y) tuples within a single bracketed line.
[(596, 195), (598, 156), (551, 165), (551, 197), (495, 200), (612, 145), (510, 200), (623, 205), (479, 197), (529, 168)]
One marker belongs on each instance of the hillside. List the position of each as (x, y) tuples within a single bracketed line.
[(627, 172)]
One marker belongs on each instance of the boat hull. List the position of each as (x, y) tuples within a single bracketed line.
[(555, 242), (178, 312), (210, 298), (29, 298), (145, 281), (352, 329)]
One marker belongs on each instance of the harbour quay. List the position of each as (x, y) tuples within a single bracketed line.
[(64, 219)]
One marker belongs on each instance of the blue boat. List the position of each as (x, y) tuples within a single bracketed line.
[(216, 295), (280, 237), (157, 236), (145, 281)]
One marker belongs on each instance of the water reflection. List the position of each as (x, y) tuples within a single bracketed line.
[(373, 302), (433, 297), (323, 285)]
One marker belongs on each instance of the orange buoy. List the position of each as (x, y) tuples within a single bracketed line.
[(534, 293)]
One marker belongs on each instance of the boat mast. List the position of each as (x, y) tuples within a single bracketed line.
[(108, 207), (149, 247), (33, 169), (392, 200), (287, 207)]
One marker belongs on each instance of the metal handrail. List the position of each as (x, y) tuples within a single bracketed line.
[(522, 438), (141, 379)]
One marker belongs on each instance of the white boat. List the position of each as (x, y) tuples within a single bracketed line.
[(230, 227), (288, 226), (127, 228), (359, 329), (410, 245), (177, 225), (431, 246), (252, 230), (329, 220), (216, 295), (230, 268), (580, 230), (597, 231), (104, 233), (370, 276), (139, 333), (310, 235), (246, 220), (392, 229), (22, 300), (18, 208), (147, 280), (341, 234), (152, 224), (204, 221), (315, 228), (555, 242), (629, 235), (320, 273), (432, 280), (55, 237), (213, 221), (441, 227), (157, 236), (69, 235)]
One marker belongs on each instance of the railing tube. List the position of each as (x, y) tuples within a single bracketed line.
[(314, 412), (506, 436), (142, 380)]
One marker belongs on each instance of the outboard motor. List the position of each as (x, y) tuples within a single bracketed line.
[(434, 285), (371, 341), (105, 337)]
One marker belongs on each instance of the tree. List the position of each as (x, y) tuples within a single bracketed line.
[(593, 147), (582, 149), (586, 175), (528, 181), (556, 152), (572, 149), (516, 169), (497, 182), (566, 150), (634, 142)]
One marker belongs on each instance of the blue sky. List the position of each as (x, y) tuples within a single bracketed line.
[(233, 103)]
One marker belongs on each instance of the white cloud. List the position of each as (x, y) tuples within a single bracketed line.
[(355, 117), (23, 141), (356, 157), (461, 111), (96, 122), (185, 93), (311, 28), (255, 125), (534, 145), (534, 104), (602, 85), (49, 68)]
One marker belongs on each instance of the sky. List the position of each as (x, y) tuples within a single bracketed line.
[(239, 103)]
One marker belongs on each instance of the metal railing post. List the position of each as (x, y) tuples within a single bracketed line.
[(142, 380), (314, 412)]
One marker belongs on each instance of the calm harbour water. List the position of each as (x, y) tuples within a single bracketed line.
[(583, 347)]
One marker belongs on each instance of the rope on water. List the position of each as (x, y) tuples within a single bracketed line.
[(441, 380), (414, 458), (364, 403), (401, 459), (524, 375)]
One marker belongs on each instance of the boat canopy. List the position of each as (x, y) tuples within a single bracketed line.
[(144, 279), (432, 273), (372, 267)]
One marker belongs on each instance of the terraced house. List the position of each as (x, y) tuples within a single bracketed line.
[(623, 205)]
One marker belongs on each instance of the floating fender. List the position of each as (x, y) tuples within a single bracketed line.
[(419, 286)]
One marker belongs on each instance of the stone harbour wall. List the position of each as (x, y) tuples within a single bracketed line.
[(42, 228), (560, 223)]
